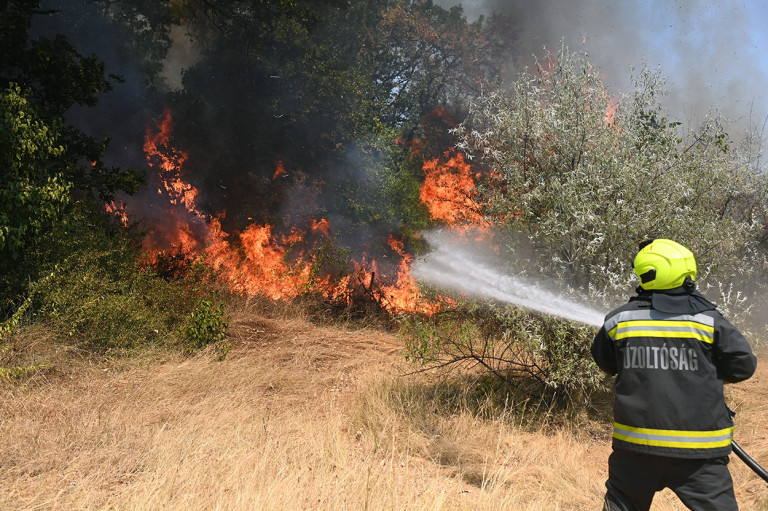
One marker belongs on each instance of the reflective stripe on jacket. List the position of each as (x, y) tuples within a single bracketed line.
[(672, 438)]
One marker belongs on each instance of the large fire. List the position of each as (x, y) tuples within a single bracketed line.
[(260, 262)]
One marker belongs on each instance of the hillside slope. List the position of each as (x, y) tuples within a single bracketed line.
[(299, 416)]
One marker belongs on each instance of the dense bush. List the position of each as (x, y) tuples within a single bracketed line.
[(584, 178), (205, 325), (93, 290)]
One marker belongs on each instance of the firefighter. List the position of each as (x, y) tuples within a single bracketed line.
[(671, 351)]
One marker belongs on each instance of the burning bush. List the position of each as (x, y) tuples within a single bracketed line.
[(276, 262)]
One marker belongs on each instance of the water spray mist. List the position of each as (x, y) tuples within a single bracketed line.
[(452, 265)]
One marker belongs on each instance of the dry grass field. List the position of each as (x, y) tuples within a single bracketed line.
[(298, 416)]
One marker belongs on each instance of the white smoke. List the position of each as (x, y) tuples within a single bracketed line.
[(454, 265), (713, 54), (182, 55)]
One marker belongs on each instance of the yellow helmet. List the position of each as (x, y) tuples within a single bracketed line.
[(664, 264)]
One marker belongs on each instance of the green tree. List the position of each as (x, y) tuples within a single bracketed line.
[(308, 84), (56, 77), (585, 180), (34, 190), (46, 163)]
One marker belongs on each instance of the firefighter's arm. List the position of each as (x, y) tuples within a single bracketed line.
[(733, 355), (603, 352)]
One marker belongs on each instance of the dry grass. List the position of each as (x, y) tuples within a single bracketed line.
[(297, 417)]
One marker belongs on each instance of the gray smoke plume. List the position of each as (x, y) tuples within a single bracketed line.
[(711, 53)]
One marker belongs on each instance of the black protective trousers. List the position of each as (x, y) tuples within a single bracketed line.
[(634, 478)]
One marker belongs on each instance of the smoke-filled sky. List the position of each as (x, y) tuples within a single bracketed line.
[(714, 55)]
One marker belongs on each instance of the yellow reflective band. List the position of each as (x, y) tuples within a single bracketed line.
[(673, 438), (650, 322), (664, 329), (656, 333)]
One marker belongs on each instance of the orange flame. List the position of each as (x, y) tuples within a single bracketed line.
[(405, 295), (160, 153), (449, 190), (279, 170), (118, 209), (262, 268), (183, 228), (263, 263), (610, 110), (322, 226)]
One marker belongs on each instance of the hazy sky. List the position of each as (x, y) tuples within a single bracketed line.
[(714, 55)]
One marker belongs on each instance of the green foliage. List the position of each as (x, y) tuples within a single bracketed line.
[(33, 188), (45, 162), (87, 284), (508, 344), (58, 77), (10, 369), (92, 309), (8, 326), (403, 188), (206, 325), (92, 290), (20, 372), (7, 329), (103, 304), (382, 187), (584, 185)]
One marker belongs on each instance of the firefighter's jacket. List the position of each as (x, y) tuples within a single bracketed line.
[(671, 352)]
